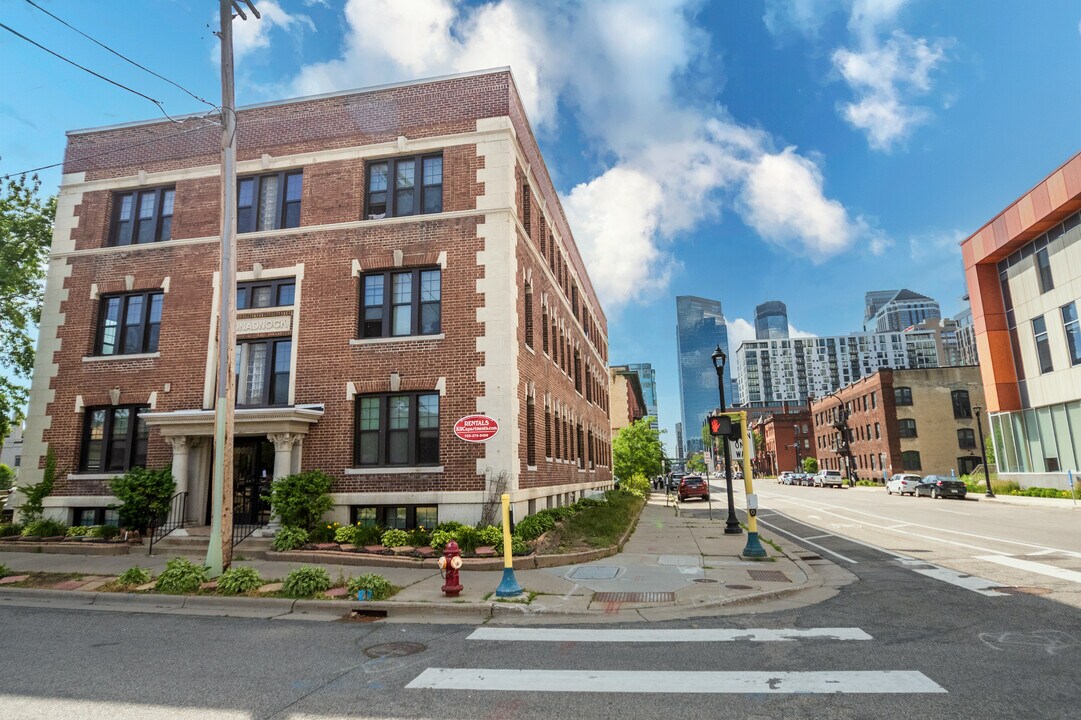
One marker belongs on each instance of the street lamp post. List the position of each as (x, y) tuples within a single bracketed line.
[(731, 525), (795, 442), (983, 453), (844, 449)]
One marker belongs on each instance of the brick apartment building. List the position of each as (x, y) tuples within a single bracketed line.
[(788, 438), (628, 399), (903, 420), (403, 261)]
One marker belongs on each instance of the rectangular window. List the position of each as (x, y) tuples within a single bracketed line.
[(1073, 332), (902, 396), (1043, 347), (966, 438), (906, 428), (144, 216), (910, 460), (961, 406), (88, 517), (530, 433), (263, 369), (1043, 270), (400, 517), (398, 429), (269, 202), (129, 324), (548, 433), (265, 293), (406, 196), (528, 307), (878, 431), (398, 304), (874, 399), (114, 439), (544, 330)]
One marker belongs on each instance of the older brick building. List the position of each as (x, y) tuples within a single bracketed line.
[(403, 261), (788, 438), (627, 398)]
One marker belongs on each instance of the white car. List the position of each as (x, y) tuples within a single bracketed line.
[(783, 478), (828, 478), (903, 484)]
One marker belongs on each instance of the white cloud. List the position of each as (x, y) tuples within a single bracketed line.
[(739, 332), (794, 332), (254, 34)]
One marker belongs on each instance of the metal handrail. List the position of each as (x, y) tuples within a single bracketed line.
[(174, 519)]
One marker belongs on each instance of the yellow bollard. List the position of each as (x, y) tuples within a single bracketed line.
[(509, 586), (754, 548)]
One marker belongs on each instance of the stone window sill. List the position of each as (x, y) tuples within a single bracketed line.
[(427, 469), (404, 338), (93, 476), (121, 358)]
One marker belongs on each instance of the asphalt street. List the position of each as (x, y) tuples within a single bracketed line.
[(897, 643)]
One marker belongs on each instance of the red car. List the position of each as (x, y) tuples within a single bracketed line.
[(693, 486)]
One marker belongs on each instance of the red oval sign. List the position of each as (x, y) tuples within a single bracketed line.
[(476, 428)]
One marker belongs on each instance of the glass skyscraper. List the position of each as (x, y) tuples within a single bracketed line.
[(648, 377), (770, 321), (700, 328)]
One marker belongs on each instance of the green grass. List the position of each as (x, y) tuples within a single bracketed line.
[(600, 526)]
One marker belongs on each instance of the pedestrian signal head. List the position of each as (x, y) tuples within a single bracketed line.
[(720, 425)]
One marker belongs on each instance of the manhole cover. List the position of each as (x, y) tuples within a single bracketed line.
[(594, 572), (634, 597), (739, 587), (1020, 590), (704, 580), (394, 649), (768, 576)]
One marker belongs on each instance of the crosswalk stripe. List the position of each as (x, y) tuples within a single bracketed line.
[(671, 682), (632, 635), (1036, 567)]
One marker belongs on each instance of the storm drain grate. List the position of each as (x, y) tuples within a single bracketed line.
[(768, 576), (634, 597)]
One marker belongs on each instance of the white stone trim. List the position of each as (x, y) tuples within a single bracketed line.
[(65, 501), (91, 476), (425, 470), (121, 358), (391, 340)]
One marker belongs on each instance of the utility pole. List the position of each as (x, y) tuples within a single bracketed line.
[(219, 553)]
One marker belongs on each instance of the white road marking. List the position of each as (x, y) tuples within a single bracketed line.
[(819, 537), (547, 634), (691, 682), (1031, 566), (1042, 552), (808, 542)]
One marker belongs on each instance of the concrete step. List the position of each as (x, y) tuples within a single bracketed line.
[(193, 545)]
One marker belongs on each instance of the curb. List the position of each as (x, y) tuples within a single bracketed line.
[(68, 548)]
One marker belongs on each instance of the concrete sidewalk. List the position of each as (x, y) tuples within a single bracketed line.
[(676, 564)]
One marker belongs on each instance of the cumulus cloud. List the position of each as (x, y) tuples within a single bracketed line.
[(252, 34), (615, 66)]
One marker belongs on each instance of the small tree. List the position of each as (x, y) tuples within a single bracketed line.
[(810, 465), (144, 496), (636, 448), (33, 506), (989, 447), (7, 477), (695, 463), (301, 500)]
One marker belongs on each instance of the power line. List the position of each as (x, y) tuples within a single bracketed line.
[(121, 56)]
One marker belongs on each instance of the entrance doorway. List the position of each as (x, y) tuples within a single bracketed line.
[(253, 471)]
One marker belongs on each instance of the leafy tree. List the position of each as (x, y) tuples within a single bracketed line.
[(301, 500), (144, 496), (7, 477), (26, 231), (759, 441), (810, 465), (636, 448), (695, 463), (34, 495), (989, 446)]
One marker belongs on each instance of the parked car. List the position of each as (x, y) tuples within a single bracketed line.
[(693, 486), (673, 480), (903, 484), (828, 478), (784, 477), (941, 486)]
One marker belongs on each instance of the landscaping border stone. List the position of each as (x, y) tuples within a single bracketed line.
[(68, 548)]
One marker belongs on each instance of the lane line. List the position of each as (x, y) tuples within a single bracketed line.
[(673, 682), (1031, 566), (632, 635), (819, 537), (808, 542)]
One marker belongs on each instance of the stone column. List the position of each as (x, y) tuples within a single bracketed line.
[(181, 444), (298, 451), (283, 465)]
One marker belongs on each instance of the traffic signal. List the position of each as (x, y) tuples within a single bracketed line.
[(720, 425)]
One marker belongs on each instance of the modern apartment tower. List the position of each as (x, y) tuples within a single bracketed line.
[(770, 321), (700, 328), (895, 310)]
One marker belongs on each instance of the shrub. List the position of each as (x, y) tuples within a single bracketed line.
[(7, 529), (378, 585), (345, 534), (304, 582), (323, 532), (144, 496), (532, 527), (290, 538), (518, 546), (468, 539), (301, 500), (867, 483), (34, 495), (79, 531), (448, 526), (637, 485), (490, 535), (239, 580), (419, 537), (45, 528), (588, 502), (440, 538), (180, 576), (133, 576), (368, 535), (4, 570), (395, 538), (108, 532)]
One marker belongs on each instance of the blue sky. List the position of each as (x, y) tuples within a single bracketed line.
[(800, 150)]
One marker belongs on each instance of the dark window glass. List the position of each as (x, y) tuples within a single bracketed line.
[(129, 324), (1043, 347), (910, 460), (265, 293), (263, 371), (530, 433), (1072, 327), (401, 429), (528, 309), (961, 406), (399, 304), (114, 439), (1043, 270), (902, 396), (906, 428), (269, 202), (966, 438), (407, 196), (142, 217)]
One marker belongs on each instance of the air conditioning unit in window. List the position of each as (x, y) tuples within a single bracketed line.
[(377, 216)]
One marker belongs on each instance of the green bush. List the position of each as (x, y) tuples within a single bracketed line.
[(5, 570), (468, 539), (532, 527), (419, 537), (239, 580), (378, 585), (180, 576), (368, 535), (7, 529), (133, 577), (45, 528), (518, 546), (560, 513), (290, 538), (395, 538), (346, 534), (448, 526), (79, 531), (588, 502), (440, 538), (34, 495), (144, 496), (637, 485), (867, 483), (304, 582), (108, 532), (301, 500), (490, 535)]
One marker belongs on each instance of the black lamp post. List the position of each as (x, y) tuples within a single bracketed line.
[(844, 448), (731, 525), (795, 442), (983, 453)]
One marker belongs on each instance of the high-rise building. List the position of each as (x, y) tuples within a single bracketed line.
[(771, 320), (648, 377), (1023, 271), (700, 328), (895, 310), (679, 442), (966, 334)]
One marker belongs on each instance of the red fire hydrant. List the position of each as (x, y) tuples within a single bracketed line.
[(450, 564)]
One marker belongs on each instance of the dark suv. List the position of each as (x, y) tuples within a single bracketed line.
[(693, 486), (941, 486)]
